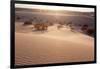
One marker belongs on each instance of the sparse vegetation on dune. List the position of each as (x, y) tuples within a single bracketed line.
[(27, 23), (40, 26), (41, 21), (90, 32)]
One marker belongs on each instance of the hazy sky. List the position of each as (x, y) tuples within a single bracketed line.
[(81, 9)]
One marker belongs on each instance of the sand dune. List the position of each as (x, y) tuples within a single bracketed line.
[(52, 46)]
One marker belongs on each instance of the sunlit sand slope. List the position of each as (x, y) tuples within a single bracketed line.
[(52, 46)]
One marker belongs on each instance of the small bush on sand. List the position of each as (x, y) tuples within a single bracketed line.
[(84, 27), (59, 26), (90, 31), (40, 26), (27, 23)]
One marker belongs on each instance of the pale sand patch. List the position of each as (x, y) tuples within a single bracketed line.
[(46, 48)]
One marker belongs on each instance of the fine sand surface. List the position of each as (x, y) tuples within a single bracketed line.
[(52, 46)]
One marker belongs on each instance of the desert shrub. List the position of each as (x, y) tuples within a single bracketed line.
[(37, 26), (59, 26), (84, 27), (27, 23), (41, 26), (73, 28), (44, 26), (90, 31)]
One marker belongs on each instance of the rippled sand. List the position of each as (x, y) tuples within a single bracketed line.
[(53, 46)]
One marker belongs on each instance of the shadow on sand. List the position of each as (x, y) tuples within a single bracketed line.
[(39, 31)]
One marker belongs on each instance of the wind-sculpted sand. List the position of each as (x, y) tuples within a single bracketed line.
[(52, 46)]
